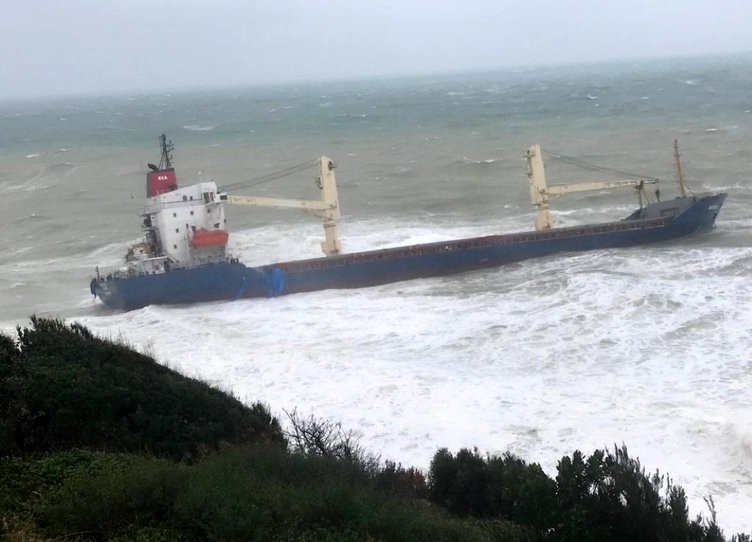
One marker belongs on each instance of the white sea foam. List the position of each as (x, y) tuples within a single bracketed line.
[(538, 358), (198, 128), (466, 160), (109, 256)]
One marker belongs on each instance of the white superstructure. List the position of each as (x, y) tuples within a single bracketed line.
[(184, 228)]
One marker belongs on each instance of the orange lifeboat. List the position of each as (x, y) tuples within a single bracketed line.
[(203, 238)]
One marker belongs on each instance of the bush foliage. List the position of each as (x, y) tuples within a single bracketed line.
[(98, 442), (607, 496), (63, 388), (238, 493)]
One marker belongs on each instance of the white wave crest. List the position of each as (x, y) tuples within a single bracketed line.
[(198, 128)]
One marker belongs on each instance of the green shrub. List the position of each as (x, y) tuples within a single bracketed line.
[(265, 494), (133, 491), (398, 480), (607, 496), (502, 487), (64, 388), (610, 496), (521, 492), (238, 493)]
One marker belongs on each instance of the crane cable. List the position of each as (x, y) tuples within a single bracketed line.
[(269, 177), (593, 167)]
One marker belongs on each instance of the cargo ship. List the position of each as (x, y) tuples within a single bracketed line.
[(183, 257)]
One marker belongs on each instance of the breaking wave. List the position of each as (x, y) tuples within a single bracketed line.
[(198, 128)]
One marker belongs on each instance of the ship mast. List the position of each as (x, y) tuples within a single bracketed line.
[(165, 162), (679, 174)]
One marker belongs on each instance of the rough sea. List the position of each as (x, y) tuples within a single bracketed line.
[(647, 346)]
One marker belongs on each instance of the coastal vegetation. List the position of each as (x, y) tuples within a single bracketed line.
[(100, 442)]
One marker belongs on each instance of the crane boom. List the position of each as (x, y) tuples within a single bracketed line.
[(327, 208), (304, 205), (560, 189), (541, 193)]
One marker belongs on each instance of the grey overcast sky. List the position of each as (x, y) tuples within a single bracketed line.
[(51, 47)]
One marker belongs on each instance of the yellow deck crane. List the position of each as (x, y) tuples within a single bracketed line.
[(541, 193), (327, 208)]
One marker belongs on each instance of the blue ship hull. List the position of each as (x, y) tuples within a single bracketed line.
[(657, 222)]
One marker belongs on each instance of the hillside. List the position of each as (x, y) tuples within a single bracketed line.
[(99, 442)]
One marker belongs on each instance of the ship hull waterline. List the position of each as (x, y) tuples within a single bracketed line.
[(234, 280)]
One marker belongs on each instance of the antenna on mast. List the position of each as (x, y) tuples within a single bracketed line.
[(165, 162), (679, 174)]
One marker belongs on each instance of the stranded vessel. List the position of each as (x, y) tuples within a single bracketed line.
[(184, 259)]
